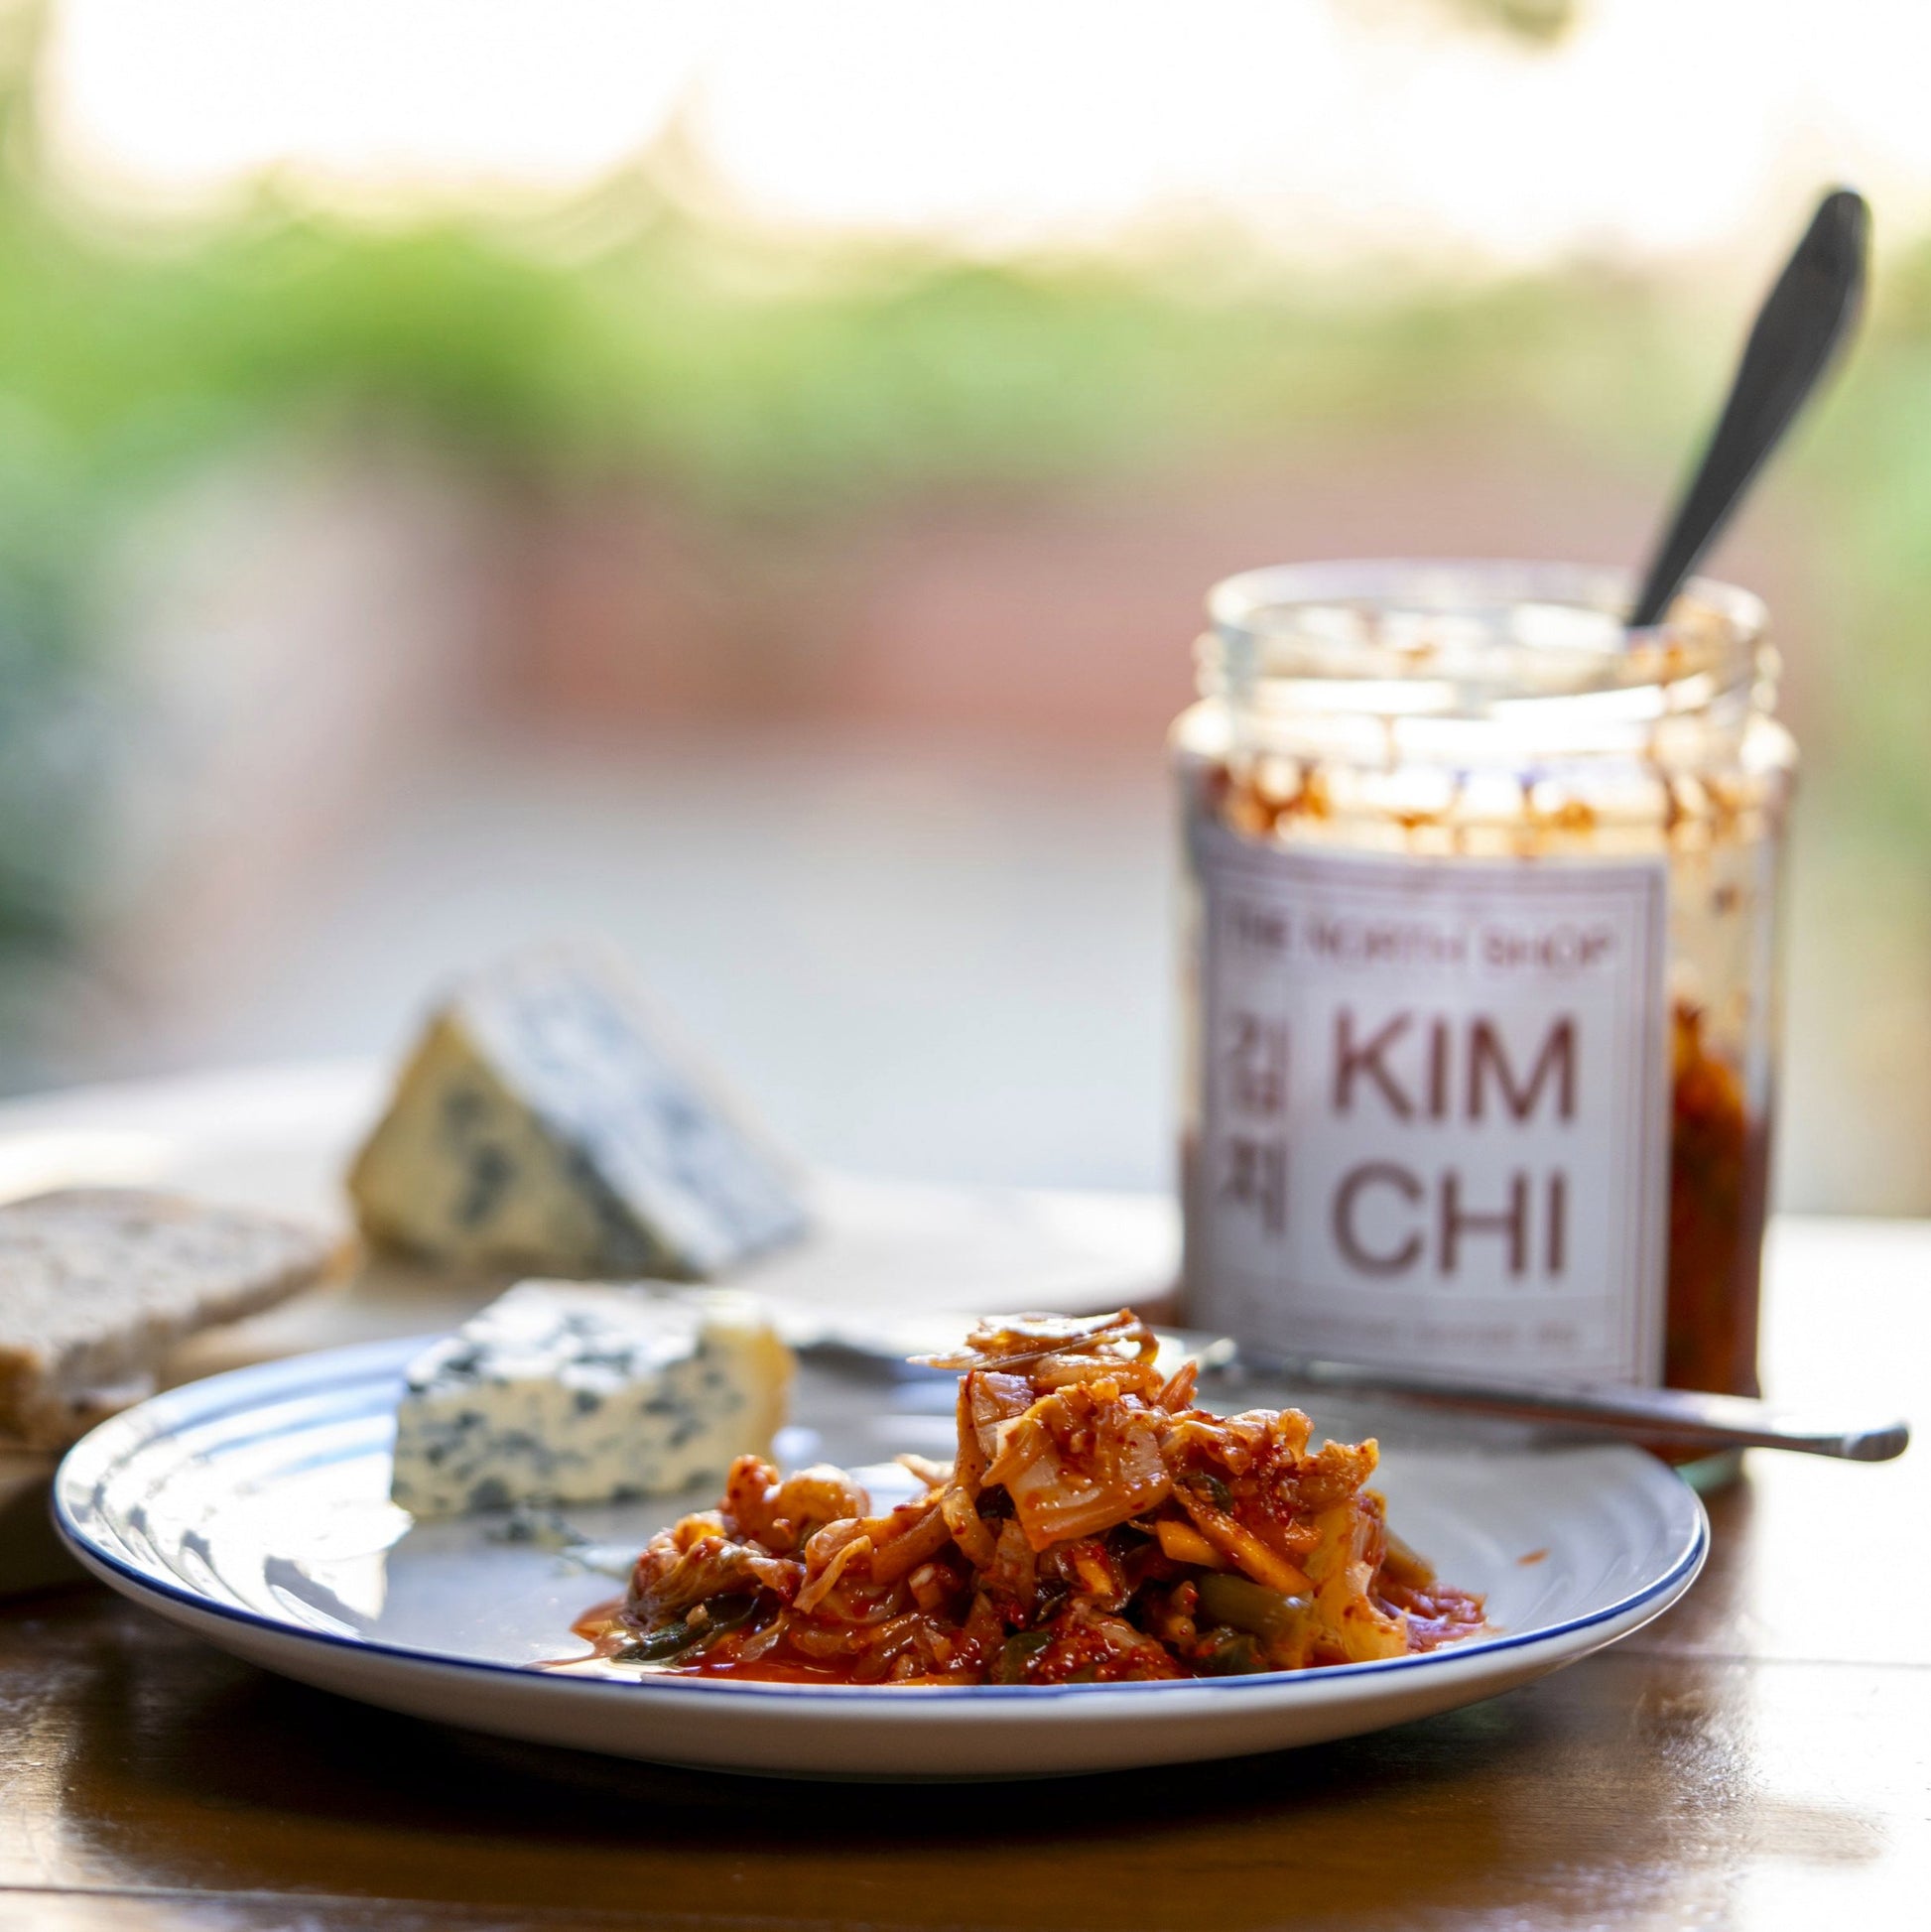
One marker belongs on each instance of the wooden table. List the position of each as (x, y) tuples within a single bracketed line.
[(1760, 1756)]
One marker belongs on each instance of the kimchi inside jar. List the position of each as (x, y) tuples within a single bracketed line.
[(1480, 970)]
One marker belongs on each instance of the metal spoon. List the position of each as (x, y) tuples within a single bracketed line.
[(1674, 1418), (1804, 321)]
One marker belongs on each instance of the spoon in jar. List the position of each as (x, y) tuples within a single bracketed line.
[(1801, 325)]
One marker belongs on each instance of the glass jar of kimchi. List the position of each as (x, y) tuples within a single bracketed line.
[(1480, 970)]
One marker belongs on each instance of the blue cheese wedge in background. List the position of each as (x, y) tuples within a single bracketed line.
[(585, 1392), (544, 1124)]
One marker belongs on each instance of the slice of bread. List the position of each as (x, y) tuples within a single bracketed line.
[(98, 1283)]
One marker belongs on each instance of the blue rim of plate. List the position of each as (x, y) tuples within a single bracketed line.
[(365, 1362)]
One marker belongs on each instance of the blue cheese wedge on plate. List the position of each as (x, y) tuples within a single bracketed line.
[(544, 1124), (580, 1392)]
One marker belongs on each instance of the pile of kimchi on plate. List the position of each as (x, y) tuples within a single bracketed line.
[(1096, 1526)]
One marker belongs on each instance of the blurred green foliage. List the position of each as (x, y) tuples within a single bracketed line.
[(750, 381), (759, 381), (1539, 22)]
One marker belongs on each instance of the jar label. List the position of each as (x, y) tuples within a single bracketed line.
[(1435, 1110)]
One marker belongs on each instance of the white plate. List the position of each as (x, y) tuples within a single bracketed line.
[(253, 1508)]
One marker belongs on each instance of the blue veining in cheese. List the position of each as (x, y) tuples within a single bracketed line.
[(544, 1123), (581, 1392)]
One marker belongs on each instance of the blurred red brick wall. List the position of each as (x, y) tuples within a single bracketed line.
[(1061, 615)]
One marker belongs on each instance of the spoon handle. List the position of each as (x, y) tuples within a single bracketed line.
[(1683, 1419), (1678, 1418), (1804, 320)]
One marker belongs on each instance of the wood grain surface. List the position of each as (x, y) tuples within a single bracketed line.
[(1762, 1757)]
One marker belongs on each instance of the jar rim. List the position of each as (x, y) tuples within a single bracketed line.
[(1497, 628)]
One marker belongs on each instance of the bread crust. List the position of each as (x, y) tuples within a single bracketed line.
[(96, 1285)]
